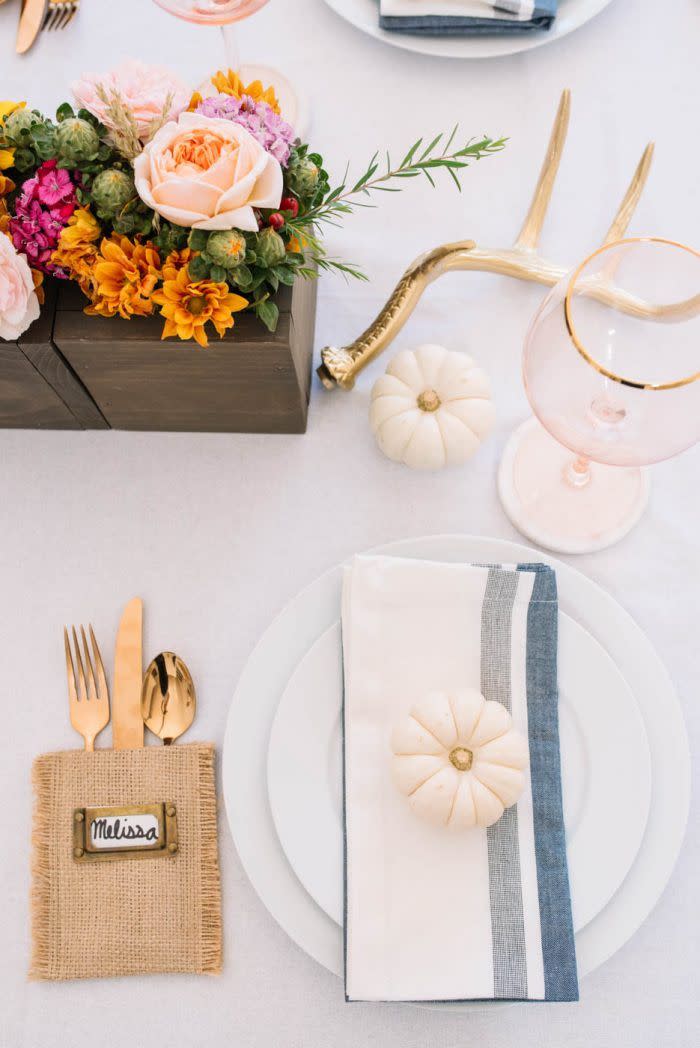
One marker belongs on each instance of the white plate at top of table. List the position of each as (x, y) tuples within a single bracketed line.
[(364, 15), (606, 773), (314, 610)]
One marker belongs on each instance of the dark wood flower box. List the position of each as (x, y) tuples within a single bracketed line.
[(38, 390), (71, 371)]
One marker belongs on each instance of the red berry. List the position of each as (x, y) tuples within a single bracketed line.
[(276, 221), (290, 204)]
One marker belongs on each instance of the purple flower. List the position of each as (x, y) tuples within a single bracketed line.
[(42, 211), (273, 133)]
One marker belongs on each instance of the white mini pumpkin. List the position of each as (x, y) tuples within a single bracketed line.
[(432, 408), (459, 760)]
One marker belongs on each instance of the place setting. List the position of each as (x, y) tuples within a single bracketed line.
[(455, 770)]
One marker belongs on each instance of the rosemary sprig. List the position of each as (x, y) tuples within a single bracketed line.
[(420, 159)]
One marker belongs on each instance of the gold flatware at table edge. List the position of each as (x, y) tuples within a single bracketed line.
[(89, 694), (30, 20), (127, 723), (168, 699), (60, 13)]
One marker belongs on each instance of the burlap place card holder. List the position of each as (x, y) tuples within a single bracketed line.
[(126, 915)]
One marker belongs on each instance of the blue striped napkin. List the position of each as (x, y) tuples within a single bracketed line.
[(466, 17), (433, 914)]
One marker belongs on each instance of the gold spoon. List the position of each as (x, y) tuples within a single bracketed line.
[(168, 700)]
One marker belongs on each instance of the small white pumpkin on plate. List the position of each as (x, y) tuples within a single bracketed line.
[(431, 408), (459, 760)]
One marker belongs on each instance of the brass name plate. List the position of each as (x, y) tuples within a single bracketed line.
[(141, 831)]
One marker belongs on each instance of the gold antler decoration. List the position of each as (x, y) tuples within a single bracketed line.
[(341, 366)]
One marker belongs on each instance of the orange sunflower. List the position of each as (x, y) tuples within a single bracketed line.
[(125, 275), (188, 306), (226, 82), (4, 218), (77, 248)]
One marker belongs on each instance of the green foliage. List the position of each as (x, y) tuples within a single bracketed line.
[(426, 160)]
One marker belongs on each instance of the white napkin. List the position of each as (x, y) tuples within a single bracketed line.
[(432, 914), (513, 10)]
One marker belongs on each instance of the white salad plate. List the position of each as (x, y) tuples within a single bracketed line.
[(364, 15), (313, 611), (604, 748)]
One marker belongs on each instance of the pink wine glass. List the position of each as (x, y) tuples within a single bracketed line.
[(225, 13), (611, 367)]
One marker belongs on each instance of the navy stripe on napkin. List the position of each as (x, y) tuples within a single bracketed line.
[(558, 948)]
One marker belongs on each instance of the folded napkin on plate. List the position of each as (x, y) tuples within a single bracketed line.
[(466, 17), (430, 913), (134, 916)]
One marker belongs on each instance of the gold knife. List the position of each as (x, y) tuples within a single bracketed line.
[(30, 19), (127, 722)]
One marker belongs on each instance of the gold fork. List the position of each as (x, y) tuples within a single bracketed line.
[(89, 703), (59, 13)]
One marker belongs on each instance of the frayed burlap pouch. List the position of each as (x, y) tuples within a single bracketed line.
[(129, 916)]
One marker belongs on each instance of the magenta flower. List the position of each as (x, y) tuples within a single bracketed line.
[(55, 185), (42, 211), (273, 133)]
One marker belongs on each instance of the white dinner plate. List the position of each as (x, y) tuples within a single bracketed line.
[(315, 609), (604, 754), (364, 15)]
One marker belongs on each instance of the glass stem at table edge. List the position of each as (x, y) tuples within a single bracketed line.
[(231, 52)]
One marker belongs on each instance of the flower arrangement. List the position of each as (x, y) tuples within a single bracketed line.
[(193, 206)]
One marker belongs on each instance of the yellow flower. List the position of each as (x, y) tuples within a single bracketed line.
[(6, 185), (124, 275), (229, 83), (175, 262), (77, 248), (4, 217), (188, 305), (38, 278), (7, 155)]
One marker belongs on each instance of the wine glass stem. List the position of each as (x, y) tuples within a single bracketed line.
[(231, 53), (578, 472)]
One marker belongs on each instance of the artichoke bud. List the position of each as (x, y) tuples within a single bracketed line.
[(17, 123), (270, 249), (303, 177), (77, 141), (111, 191), (226, 248)]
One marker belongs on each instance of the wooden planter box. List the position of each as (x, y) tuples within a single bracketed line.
[(251, 381), (38, 390), (71, 371)]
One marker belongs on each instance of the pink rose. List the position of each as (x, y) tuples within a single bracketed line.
[(143, 89), (207, 173), (19, 306)]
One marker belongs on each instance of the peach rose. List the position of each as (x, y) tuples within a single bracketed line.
[(208, 174), (19, 306), (147, 91)]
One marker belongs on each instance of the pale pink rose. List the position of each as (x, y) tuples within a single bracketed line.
[(19, 306), (144, 90), (207, 173)]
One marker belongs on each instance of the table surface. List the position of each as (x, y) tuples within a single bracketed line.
[(216, 533)]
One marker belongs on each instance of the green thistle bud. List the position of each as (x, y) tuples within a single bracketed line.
[(76, 141), (111, 191), (226, 249), (18, 123), (303, 177), (270, 249)]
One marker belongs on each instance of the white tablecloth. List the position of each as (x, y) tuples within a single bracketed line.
[(217, 532)]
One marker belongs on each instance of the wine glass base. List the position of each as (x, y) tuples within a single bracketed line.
[(294, 105), (552, 512)]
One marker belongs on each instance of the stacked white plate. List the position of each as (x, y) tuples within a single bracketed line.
[(626, 782), (570, 15)]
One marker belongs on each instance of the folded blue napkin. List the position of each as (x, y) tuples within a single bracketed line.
[(466, 17)]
